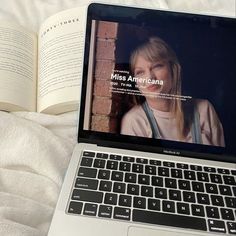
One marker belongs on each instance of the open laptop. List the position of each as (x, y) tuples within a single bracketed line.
[(134, 171)]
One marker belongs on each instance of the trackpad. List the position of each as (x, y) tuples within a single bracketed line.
[(141, 231)]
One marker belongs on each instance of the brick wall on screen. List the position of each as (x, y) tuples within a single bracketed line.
[(104, 102)]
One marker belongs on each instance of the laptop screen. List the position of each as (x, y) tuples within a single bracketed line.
[(161, 80)]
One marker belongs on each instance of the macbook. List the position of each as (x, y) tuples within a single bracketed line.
[(156, 146)]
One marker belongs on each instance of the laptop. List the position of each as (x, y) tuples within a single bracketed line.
[(156, 146)]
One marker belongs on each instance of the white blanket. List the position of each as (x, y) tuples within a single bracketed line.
[(35, 149)]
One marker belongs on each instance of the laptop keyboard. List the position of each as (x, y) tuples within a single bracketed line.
[(155, 192)]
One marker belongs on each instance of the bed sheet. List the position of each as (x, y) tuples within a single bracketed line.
[(35, 149)]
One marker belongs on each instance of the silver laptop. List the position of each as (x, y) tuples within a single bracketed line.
[(156, 146)]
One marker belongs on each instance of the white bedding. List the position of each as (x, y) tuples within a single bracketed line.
[(35, 148)]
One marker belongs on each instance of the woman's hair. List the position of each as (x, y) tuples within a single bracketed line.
[(155, 49)]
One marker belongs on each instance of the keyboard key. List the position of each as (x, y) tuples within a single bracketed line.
[(112, 165), (189, 197), (122, 213), (139, 202), (154, 204), (209, 169), (117, 176), (158, 218), (223, 171), (215, 178), (217, 226), (90, 209), (125, 166), (230, 180), (125, 200), (133, 189), (87, 172), (86, 195), (119, 187), (86, 161), (168, 206), (75, 207), (155, 162), (176, 173), (110, 198), (144, 179), (182, 166), (230, 202), (88, 154), (201, 176), (130, 178), (211, 188), (115, 157), (169, 164), (184, 184), (137, 168), (99, 163), (198, 187), (128, 159), (102, 155), (150, 170), (203, 198), (234, 191), (175, 195), (105, 186), (105, 211), (183, 208), (196, 167), (141, 160), (212, 212), (170, 183), (217, 200), (227, 214), (86, 183), (188, 174), (157, 181), (231, 227), (225, 190), (146, 191), (233, 172), (161, 193), (198, 210), (104, 174), (163, 171)]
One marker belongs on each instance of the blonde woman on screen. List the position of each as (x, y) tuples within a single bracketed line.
[(160, 112)]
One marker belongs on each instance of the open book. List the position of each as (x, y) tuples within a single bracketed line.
[(42, 72)]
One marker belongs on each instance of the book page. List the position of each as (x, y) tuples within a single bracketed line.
[(61, 45), (18, 70)]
